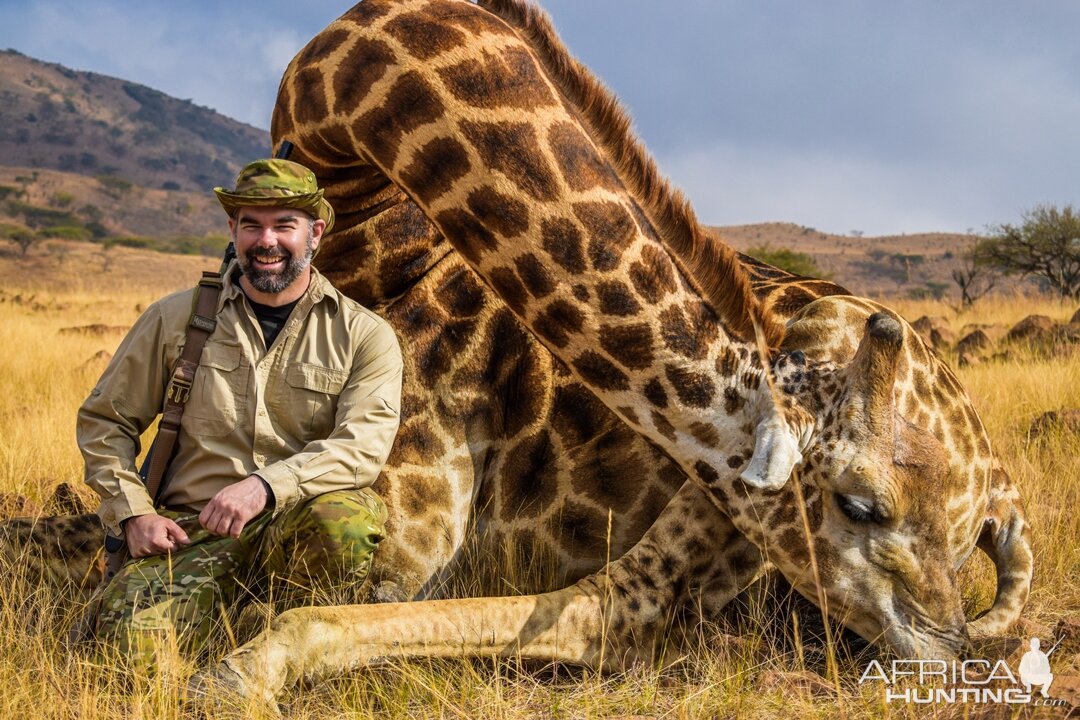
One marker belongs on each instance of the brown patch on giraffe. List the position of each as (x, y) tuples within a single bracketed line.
[(577, 415), (601, 472), (435, 168), (693, 388), (417, 443), (616, 299), (581, 293), (610, 230), (421, 495), (655, 393), (501, 213), (506, 79), (562, 241), (467, 233), (367, 61), (322, 46), (684, 337), (727, 363), (631, 345), (409, 104), (580, 525), (792, 299), (535, 275), (462, 293), (629, 413), (736, 461), (705, 433), (367, 12), (512, 149), (706, 472), (733, 401), (509, 288), (423, 38), (663, 426), (582, 166), (558, 321), (600, 372), (653, 275), (313, 105), (530, 479)]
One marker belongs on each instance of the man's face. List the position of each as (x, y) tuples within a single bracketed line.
[(274, 245)]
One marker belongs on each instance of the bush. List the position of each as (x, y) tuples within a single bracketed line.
[(793, 261)]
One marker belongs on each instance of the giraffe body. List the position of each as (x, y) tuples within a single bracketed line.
[(578, 349)]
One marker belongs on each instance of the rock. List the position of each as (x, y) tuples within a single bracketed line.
[(1060, 420), (976, 342), (928, 324), (12, 505), (1066, 688), (1067, 631), (994, 331), (967, 359), (66, 500), (1032, 330), (942, 338)]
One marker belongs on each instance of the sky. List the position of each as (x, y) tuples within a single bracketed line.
[(841, 115)]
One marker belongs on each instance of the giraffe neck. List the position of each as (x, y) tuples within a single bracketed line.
[(453, 107)]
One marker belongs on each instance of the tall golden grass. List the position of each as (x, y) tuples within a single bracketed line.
[(738, 667)]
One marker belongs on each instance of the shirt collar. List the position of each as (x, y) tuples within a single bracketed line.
[(319, 288)]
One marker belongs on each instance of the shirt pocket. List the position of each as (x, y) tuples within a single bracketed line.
[(219, 392), (313, 396)]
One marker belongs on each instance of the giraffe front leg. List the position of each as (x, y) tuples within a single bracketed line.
[(316, 642)]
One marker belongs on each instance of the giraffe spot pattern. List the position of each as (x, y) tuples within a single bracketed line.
[(705, 433), (423, 38), (558, 321), (616, 299), (510, 289), (680, 337), (630, 345), (530, 479), (410, 104), (600, 372), (435, 168), (582, 167), (368, 61), (512, 149), (663, 425), (313, 105), (468, 234), (693, 388), (562, 241), (581, 293), (506, 79), (535, 275), (706, 472), (610, 230), (653, 275), (655, 393), (501, 213)]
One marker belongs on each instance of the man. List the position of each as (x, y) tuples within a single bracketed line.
[(290, 418)]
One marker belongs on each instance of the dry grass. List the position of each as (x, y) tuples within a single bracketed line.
[(753, 664)]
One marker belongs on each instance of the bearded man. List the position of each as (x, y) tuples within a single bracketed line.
[(289, 419)]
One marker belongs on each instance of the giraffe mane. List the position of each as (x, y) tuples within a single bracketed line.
[(709, 265)]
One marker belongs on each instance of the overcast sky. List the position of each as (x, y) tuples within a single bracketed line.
[(884, 117)]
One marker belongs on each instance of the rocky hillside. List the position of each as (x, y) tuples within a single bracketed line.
[(55, 118)]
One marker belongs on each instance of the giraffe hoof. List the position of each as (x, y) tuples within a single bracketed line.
[(219, 691)]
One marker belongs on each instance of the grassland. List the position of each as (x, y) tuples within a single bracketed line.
[(736, 669)]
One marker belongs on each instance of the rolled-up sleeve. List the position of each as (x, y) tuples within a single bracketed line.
[(365, 423), (120, 407)]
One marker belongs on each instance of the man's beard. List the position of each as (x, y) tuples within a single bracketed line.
[(269, 281)]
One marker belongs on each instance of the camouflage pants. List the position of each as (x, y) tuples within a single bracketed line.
[(318, 552)]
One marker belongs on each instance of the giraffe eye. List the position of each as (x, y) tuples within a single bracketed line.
[(857, 509)]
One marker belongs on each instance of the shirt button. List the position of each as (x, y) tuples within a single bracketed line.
[(262, 412)]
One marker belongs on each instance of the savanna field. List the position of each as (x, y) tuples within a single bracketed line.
[(63, 310)]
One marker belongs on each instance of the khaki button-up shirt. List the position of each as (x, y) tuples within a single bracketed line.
[(315, 412)]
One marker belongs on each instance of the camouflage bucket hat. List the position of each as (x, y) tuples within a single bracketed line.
[(277, 183)]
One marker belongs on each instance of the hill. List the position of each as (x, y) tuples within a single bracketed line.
[(52, 117)]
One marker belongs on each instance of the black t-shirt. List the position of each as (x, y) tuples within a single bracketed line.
[(271, 319)]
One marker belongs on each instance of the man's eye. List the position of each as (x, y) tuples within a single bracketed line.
[(856, 509)]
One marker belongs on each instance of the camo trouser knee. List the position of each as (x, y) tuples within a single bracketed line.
[(320, 550)]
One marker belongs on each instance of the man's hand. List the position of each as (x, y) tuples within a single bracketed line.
[(153, 534), (230, 510)]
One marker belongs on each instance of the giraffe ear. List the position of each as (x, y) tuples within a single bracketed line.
[(871, 376), (776, 453)]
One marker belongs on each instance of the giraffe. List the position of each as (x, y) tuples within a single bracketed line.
[(475, 119)]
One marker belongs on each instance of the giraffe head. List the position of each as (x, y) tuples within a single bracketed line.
[(899, 485)]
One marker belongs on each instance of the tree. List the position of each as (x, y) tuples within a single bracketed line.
[(974, 279), (1045, 246)]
